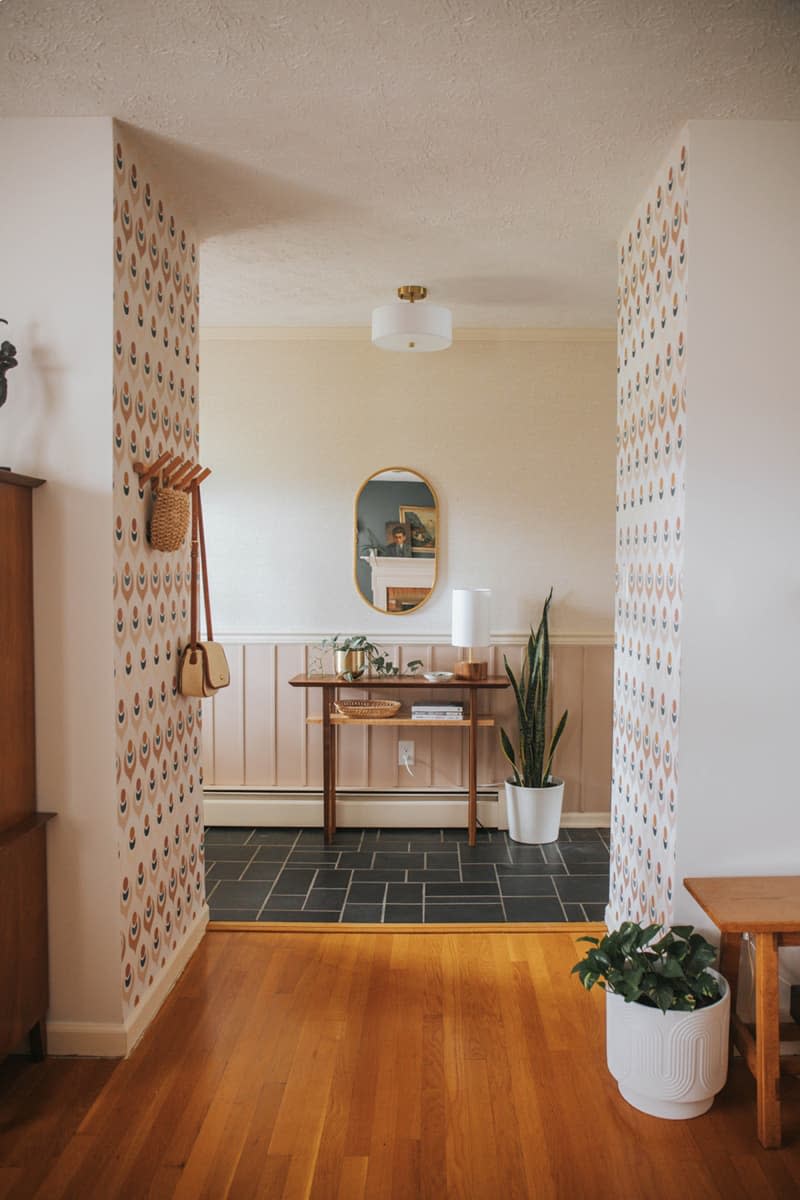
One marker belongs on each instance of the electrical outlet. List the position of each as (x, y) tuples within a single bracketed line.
[(405, 754)]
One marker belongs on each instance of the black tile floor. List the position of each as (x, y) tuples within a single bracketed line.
[(394, 875)]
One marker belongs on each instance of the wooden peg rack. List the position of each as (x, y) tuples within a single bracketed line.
[(173, 470)]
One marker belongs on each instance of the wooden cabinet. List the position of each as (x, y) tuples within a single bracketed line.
[(23, 877)]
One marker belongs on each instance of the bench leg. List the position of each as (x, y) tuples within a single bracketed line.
[(768, 1064)]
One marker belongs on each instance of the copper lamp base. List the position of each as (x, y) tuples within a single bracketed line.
[(471, 670)]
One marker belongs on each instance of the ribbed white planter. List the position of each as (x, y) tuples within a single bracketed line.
[(668, 1064), (534, 814)]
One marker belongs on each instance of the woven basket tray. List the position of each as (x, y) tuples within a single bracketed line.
[(367, 708)]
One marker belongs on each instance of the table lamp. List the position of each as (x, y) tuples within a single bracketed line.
[(471, 629)]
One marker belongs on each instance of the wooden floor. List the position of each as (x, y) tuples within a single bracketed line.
[(361, 1064)]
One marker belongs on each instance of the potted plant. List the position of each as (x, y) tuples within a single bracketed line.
[(667, 1016), (533, 797), (353, 655)]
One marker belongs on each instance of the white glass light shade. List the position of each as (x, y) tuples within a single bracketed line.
[(470, 617), (412, 327)]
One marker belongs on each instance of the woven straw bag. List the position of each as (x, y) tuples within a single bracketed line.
[(169, 521)]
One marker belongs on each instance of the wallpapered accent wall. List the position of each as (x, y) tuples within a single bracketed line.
[(159, 807), (651, 452)]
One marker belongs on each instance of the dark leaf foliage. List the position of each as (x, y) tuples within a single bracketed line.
[(652, 965)]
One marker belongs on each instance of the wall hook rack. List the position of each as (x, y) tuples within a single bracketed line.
[(172, 470)]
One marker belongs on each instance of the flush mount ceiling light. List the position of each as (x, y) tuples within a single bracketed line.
[(412, 326)]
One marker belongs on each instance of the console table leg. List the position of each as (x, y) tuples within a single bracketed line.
[(327, 820), (768, 1064), (472, 803)]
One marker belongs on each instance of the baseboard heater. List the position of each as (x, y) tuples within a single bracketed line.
[(366, 809)]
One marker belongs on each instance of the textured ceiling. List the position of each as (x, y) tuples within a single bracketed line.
[(332, 149)]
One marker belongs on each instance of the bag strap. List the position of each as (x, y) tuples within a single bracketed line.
[(194, 575), (204, 566)]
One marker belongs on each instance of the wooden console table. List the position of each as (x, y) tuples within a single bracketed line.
[(767, 908), (331, 721)]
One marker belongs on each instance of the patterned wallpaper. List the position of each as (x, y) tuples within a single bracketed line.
[(651, 452), (159, 805)]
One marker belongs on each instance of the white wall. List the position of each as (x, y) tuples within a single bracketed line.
[(55, 289), (739, 810), (517, 437)]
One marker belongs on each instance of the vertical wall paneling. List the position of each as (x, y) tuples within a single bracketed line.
[(256, 736)]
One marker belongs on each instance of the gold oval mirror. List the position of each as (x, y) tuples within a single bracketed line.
[(396, 540)]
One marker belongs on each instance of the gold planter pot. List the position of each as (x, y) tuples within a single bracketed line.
[(350, 662)]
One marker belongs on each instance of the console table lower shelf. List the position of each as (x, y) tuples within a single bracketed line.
[(330, 721)]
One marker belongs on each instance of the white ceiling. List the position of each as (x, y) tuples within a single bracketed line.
[(332, 149)]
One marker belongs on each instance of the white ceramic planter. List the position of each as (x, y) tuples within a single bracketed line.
[(534, 814), (668, 1064)]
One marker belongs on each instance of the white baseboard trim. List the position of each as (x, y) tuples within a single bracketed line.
[(390, 810), (90, 1039)]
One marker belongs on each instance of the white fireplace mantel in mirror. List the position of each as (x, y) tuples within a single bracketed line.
[(398, 574)]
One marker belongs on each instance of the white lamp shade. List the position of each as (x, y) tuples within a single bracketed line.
[(412, 327), (471, 617)]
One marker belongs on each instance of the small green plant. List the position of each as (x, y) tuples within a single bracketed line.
[(530, 691), (377, 658), (671, 973)]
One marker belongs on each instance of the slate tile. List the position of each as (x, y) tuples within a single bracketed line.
[(356, 858), (271, 854), (442, 861), (584, 852), (293, 903), (524, 854), (584, 835), (462, 835), (590, 868), (575, 912), (404, 893), (228, 853), (433, 842), (478, 872), (261, 870), (221, 835), (532, 868), (527, 885), (332, 877), (233, 914), (294, 881), (484, 854), (580, 888), (275, 837), (382, 875), (226, 870), (301, 918), (533, 908), (309, 838), (370, 913), (397, 861), (398, 913), (325, 898), (367, 893), (595, 912), (313, 858), (433, 876), (249, 894), (460, 891), (467, 913), (551, 852)]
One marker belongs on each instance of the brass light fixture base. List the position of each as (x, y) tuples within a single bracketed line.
[(471, 670), (412, 292)]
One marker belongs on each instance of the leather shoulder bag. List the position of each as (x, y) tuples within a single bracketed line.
[(204, 667)]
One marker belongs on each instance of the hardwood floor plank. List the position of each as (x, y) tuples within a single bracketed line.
[(360, 1065)]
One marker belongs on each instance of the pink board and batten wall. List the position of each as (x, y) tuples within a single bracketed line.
[(255, 735)]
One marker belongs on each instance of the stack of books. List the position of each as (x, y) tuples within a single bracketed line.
[(437, 712)]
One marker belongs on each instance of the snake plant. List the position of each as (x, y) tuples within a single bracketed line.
[(530, 691)]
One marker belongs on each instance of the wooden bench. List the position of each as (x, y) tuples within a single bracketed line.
[(767, 908)]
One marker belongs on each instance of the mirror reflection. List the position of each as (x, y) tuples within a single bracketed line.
[(397, 532)]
